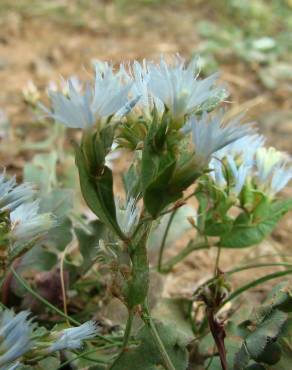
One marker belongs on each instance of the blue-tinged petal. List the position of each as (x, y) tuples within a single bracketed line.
[(72, 338), (176, 85), (16, 333), (210, 134), (12, 195), (27, 223)]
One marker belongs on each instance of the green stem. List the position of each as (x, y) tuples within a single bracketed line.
[(49, 305), (254, 283), (126, 338), (191, 247), (163, 243), (246, 267), (128, 329), (146, 317), (217, 261)]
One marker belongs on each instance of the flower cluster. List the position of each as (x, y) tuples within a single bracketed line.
[(18, 337), (248, 162), (175, 88), (173, 94), (23, 223)]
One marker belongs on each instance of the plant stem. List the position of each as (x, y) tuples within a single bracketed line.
[(191, 247), (218, 333), (131, 315), (217, 261), (63, 287), (128, 329), (146, 317), (163, 243)]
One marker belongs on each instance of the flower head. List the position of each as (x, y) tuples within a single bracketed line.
[(15, 336), (237, 174), (178, 88), (72, 338), (273, 170), (243, 149), (83, 110), (266, 160), (140, 75), (73, 109), (209, 134), (12, 195), (27, 223)]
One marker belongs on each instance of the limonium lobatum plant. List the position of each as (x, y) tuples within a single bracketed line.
[(165, 116)]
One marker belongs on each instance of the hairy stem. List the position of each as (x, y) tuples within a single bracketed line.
[(146, 317)]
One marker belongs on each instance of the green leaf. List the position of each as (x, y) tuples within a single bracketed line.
[(58, 201), (42, 171), (39, 258), (145, 356), (258, 342), (61, 235), (247, 231), (98, 193), (158, 194)]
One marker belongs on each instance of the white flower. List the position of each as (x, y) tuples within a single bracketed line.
[(209, 134), (12, 195), (280, 178), (141, 76), (27, 223), (15, 336), (31, 93), (74, 109), (273, 170), (217, 173), (64, 85), (244, 148), (178, 88), (127, 215), (83, 110), (266, 159), (238, 174), (110, 93), (72, 338)]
